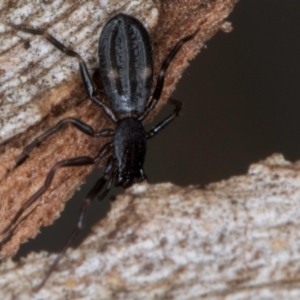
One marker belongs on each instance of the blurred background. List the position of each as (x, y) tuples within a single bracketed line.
[(241, 99)]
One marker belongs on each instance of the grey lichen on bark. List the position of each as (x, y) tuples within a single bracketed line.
[(235, 239)]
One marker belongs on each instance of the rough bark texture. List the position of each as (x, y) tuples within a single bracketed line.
[(175, 19), (235, 239)]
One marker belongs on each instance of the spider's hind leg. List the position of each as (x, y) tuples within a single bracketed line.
[(161, 76), (86, 78)]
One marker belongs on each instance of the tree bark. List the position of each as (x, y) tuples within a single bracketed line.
[(235, 239)]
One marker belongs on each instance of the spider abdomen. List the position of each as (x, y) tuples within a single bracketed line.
[(126, 66)]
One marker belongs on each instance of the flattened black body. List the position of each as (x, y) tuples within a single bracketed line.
[(129, 150), (126, 66), (126, 70)]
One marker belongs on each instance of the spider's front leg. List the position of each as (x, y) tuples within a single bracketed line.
[(106, 179), (72, 162)]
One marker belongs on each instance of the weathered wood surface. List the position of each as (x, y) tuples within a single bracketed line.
[(235, 239)]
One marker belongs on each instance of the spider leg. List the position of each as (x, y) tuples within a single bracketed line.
[(82, 66), (107, 178), (75, 122), (9, 229), (161, 77), (167, 120), (72, 162)]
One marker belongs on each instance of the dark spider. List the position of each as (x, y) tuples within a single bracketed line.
[(126, 72)]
